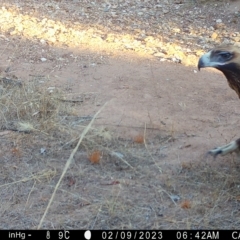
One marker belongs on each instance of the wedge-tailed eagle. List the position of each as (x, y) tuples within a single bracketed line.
[(227, 60)]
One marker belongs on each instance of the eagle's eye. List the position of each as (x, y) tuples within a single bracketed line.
[(225, 55)]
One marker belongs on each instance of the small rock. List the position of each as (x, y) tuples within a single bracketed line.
[(52, 39), (178, 1), (117, 154), (175, 198), (43, 41), (176, 60), (236, 39), (50, 88), (159, 54), (214, 36), (43, 59), (225, 41), (107, 7), (199, 53), (190, 60), (114, 14), (186, 30), (42, 150), (219, 21), (51, 32), (176, 30), (219, 26), (165, 11)]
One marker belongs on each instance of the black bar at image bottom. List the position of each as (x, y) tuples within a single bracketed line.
[(120, 234)]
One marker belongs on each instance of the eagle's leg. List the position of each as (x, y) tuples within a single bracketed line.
[(229, 148)]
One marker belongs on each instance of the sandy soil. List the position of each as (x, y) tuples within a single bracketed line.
[(165, 182)]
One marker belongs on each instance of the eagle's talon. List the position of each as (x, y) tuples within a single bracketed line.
[(215, 152), (231, 147)]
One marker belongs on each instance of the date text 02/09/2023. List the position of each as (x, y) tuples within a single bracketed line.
[(165, 234)]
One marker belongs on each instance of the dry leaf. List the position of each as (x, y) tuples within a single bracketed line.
[(15, 151), (186, 204), (95, 157), (71, 181), (139, 139), (112, 183), (237, 198), (186, 165)]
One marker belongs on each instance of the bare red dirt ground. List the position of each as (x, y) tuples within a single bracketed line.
[(160, 120)]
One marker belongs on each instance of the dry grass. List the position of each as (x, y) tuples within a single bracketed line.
[(57, 172), (31, 108), (67, 165), (51, 181), (34, 125)]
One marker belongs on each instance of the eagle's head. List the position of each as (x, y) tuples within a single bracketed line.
[(227, 60)]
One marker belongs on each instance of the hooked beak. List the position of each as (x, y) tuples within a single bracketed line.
[(204, 61)]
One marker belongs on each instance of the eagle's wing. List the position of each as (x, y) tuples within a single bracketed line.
[(227, 60)]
